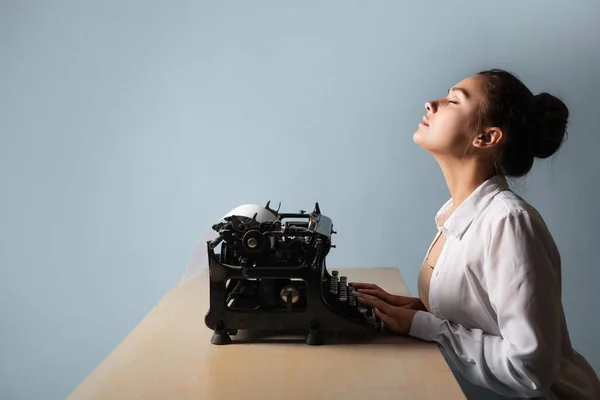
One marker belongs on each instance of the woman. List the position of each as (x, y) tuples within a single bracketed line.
[(490, 284)]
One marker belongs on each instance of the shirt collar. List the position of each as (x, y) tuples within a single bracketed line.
[(458, 223)]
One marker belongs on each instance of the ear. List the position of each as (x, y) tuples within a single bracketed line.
[(489, 138)]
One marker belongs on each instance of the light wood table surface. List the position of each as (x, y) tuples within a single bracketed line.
[(169, 356)]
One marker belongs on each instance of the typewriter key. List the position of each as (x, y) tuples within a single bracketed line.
[(343, 288), (333, 284)]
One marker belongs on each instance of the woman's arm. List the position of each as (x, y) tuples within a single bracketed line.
[(522, 275)]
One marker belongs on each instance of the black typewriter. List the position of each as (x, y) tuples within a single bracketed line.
[(270, 275)]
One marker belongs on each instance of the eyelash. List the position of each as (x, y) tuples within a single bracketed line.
[(453, 102)]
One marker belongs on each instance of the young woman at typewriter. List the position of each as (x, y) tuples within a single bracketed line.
[(490, 284)]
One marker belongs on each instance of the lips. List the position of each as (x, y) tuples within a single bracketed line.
[(425, 121)]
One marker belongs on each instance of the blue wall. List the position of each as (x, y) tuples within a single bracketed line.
[(129, 127)]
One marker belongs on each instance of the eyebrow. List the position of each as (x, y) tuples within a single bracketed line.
[(458, 89)]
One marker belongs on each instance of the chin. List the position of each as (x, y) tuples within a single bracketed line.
[(424, 144), (418, 138)]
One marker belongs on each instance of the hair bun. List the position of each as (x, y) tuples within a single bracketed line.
[(551, 127)]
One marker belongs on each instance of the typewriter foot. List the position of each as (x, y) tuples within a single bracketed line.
[(220, 336), (314, 337)]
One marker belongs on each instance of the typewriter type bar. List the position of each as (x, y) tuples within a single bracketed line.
[(272, 276)]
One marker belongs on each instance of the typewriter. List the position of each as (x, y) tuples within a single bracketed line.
[(270, 275)]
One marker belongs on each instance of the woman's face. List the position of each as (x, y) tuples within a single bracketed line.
[(448, 128)]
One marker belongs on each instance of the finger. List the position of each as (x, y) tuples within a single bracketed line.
[(389, 321), (377, 292), (373, 292), (363, 295), (374, 302), (368, 300), (384, 317), (359, 285)]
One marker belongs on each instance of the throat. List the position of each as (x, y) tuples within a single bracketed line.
[(463, 179)]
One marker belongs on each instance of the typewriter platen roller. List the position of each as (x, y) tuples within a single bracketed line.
[(270, 275)]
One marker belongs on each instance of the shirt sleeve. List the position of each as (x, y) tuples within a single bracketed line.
[(522, 279)]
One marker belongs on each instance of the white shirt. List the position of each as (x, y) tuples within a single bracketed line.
[(495, 300)]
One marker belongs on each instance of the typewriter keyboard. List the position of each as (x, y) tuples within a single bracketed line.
[(343, 296)]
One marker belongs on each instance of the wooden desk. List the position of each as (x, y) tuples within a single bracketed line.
[(169, 356)]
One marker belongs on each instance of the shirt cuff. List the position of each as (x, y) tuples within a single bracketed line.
[(426, 326)]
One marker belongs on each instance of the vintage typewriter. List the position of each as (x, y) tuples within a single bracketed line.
[(270, 275)]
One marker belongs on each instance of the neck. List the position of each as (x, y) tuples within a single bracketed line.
[(462, 178)]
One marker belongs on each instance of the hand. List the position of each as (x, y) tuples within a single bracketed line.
[(397, 319), (412, 303)]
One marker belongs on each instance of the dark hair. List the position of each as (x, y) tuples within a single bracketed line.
[(533, 125)]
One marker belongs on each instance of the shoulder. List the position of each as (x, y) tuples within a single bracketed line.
[(512, 224), (509, 207)]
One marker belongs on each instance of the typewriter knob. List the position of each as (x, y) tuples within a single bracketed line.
[(253, 241), (292, 290)]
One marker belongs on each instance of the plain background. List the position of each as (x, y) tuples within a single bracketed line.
[(129, 127)]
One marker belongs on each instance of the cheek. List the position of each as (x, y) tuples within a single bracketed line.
[(449, 133), (445, 132)]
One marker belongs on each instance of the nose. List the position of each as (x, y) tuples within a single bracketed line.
[(430, 106)]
